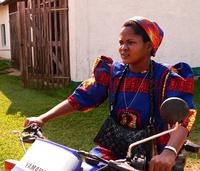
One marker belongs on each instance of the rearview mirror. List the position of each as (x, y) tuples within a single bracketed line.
[(174, 110)]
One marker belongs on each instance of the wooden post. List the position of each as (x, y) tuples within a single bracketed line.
[(22, 33), (65, 44)]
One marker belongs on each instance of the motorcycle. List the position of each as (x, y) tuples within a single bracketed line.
[(45, 155)]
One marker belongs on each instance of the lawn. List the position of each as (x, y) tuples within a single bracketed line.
[(75, 131)]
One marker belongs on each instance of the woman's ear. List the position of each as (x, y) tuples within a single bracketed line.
[(150, 47)]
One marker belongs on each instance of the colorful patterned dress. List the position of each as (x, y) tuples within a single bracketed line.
[(170, 81)]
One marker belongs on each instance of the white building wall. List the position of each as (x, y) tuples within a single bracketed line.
[(4, 19), (94, 29)]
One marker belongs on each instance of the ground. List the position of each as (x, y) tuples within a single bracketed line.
[(12, 71)]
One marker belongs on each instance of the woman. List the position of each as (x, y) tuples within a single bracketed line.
[(144, 86)]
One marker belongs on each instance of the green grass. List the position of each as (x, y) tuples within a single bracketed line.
[(3, 66), (75, 131)]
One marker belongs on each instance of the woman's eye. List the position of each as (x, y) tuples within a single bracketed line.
[(121, 43), (131, 42), (127, 43)]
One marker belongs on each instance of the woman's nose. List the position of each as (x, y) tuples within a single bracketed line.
[(123, 46)]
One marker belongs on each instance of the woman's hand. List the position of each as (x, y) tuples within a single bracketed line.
[(33, 121), (163, 162), (166, 160)]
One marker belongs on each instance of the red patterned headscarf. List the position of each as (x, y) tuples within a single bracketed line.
[(154, 32)]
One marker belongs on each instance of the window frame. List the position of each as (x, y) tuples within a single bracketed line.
[(3, 34)]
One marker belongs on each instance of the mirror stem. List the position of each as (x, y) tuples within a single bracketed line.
[(150, 138)]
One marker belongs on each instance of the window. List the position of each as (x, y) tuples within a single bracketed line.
[(3, 34)]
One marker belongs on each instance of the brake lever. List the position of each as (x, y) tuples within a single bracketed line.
[(29, 139), (191, 147)]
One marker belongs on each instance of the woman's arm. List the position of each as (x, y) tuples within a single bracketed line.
[(62, 109)]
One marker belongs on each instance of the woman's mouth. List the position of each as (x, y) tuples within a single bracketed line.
[(124, 55)]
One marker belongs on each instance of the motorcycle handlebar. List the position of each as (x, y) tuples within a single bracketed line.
[(34, 129), (34, 133)]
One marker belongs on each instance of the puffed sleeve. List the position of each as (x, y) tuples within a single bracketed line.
[(94, 91), (181, 84)]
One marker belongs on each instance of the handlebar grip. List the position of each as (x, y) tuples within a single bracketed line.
[(180, 162), (178, 168), (28, 128)]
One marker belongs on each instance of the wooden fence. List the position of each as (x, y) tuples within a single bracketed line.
[(42, 31), (15, 45)]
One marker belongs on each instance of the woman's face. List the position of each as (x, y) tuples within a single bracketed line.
[(132, 49)]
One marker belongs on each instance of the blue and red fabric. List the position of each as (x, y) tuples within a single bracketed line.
[(170, 81)]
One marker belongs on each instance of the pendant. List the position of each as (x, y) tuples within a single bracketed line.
[(128, 119)]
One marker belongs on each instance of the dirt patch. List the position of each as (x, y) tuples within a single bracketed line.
[(12, 71)]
